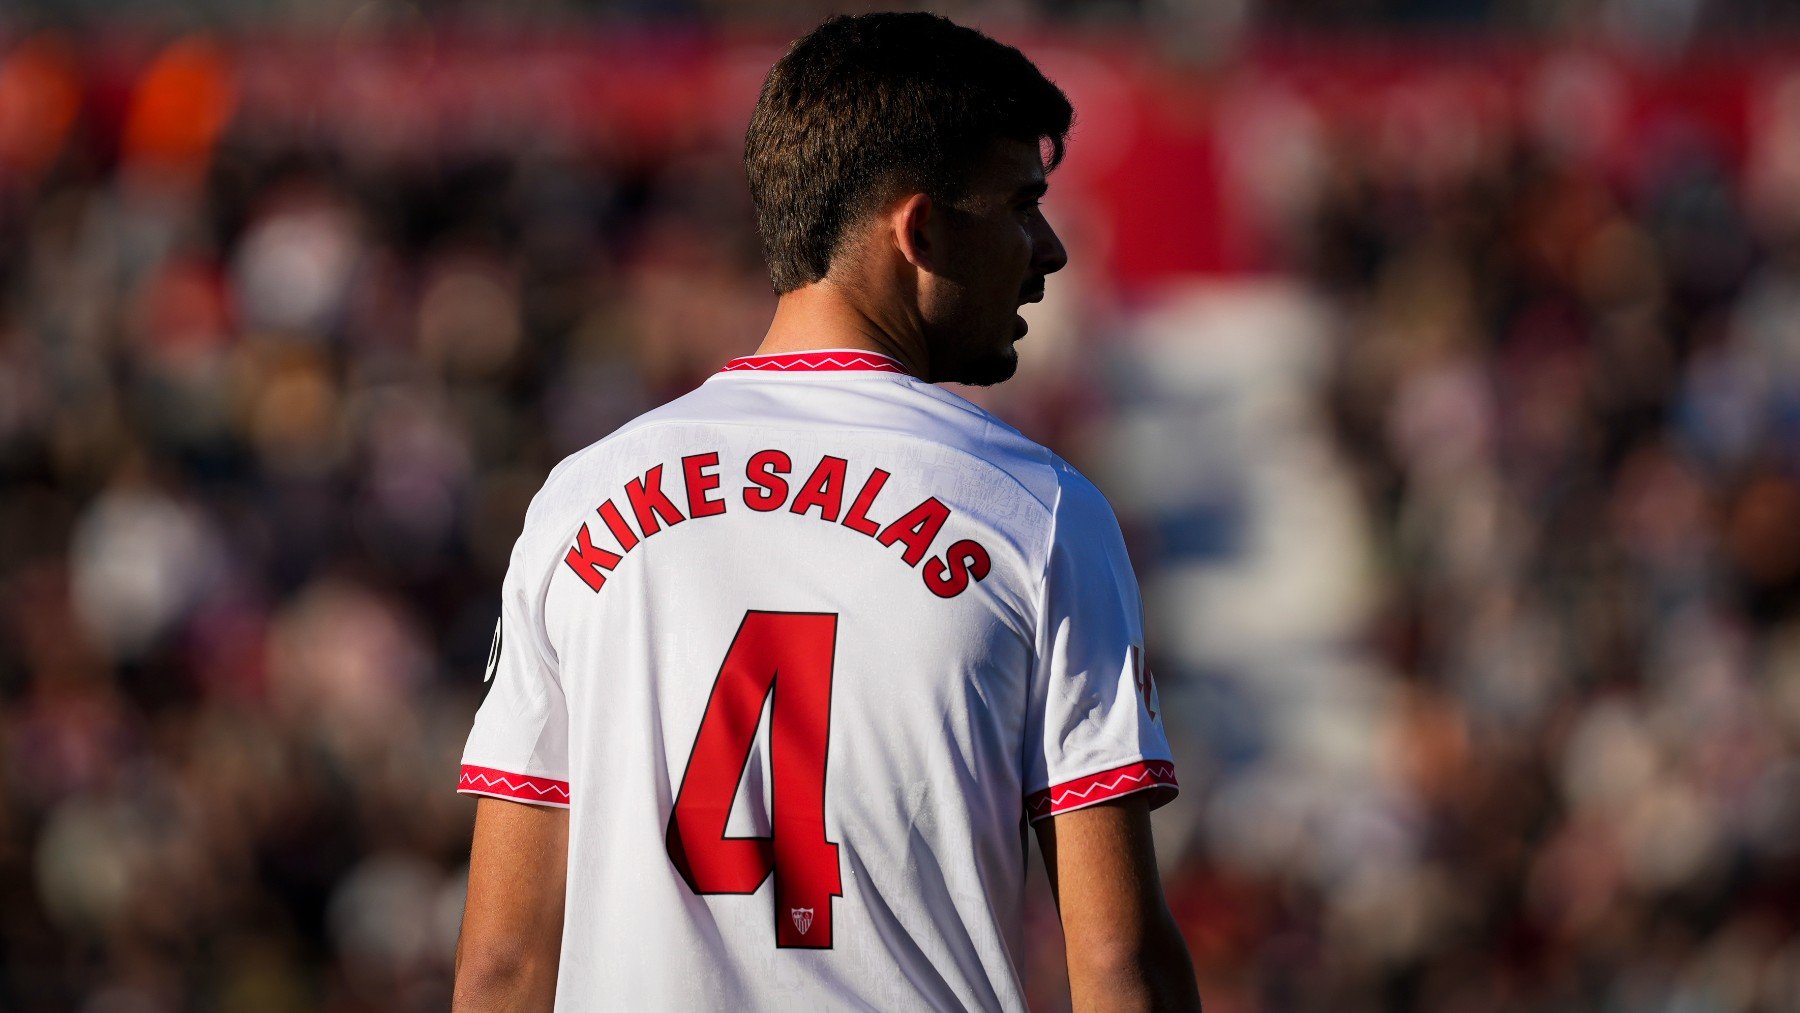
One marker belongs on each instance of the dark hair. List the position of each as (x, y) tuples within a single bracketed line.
[(865, 107)]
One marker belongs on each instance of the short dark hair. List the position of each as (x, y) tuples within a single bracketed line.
[(865, 107)]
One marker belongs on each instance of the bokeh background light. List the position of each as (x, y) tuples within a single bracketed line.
[(1441, 358)]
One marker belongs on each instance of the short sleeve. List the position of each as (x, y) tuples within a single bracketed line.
[(1094, 731), (519, 746)]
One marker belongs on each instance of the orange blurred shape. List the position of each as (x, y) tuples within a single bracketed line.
[(40, 94), (179, 108)]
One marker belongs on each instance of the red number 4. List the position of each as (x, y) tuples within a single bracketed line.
[(790, 655)]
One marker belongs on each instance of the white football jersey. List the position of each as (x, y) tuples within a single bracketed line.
[(803, 652)]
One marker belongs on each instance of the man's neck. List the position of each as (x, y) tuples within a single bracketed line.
[(822, 315)]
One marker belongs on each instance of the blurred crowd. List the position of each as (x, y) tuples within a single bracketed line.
[(1569, 392), (270, 414), (271, 408)]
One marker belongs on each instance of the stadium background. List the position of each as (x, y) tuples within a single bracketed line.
[(1441, 357)]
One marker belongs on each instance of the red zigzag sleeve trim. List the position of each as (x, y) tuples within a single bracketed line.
[(1157, 776), (506, 784)]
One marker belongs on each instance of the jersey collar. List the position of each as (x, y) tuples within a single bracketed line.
[(827, 360)]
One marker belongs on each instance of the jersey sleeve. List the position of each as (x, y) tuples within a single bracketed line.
[(518, 748), (1094, 730)]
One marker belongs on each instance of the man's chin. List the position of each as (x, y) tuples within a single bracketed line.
[(988, 370)]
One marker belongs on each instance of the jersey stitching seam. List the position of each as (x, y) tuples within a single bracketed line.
[(1039, 621), (537, 636), (486, 793)]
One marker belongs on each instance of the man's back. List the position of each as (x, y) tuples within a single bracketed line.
[(802, 651)]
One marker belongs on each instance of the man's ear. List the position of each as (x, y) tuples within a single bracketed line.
[(913, 222)]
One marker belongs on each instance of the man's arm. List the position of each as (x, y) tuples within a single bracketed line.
[(1124, 951), (512, 922)]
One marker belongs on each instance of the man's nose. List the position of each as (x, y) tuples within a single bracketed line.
[(1048, 255)]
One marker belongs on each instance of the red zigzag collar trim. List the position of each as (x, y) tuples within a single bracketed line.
[(830, 360)]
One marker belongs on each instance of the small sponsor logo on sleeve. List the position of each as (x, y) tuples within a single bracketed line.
[(493, 664)]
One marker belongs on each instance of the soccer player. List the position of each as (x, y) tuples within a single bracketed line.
[(786, 667)]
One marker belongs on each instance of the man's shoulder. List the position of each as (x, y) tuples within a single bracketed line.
[(595, 455), (1082, 510), (1063, 489)]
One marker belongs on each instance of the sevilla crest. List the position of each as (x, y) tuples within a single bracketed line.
[(803, 918)]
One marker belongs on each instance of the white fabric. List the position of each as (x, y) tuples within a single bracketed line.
[(949, 716)]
